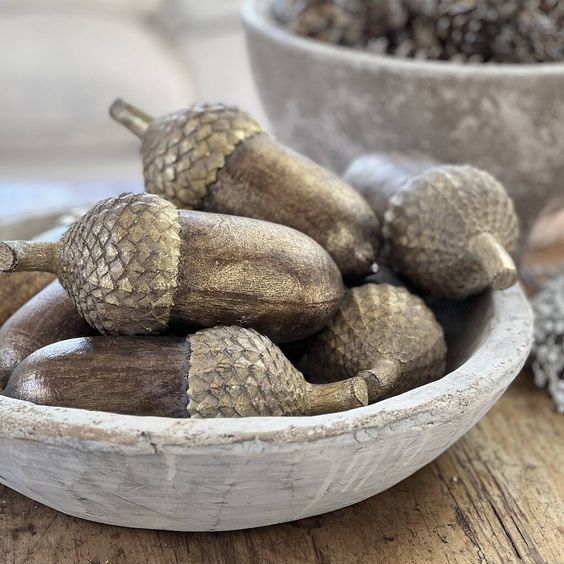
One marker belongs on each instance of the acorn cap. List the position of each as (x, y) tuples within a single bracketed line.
[(384, 334), (183, 152), (237, 372), (451, 232)]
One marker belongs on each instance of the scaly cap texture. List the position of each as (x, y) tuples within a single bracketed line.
[(119, 264), (375, 323), (236, 372), (428, 227), (183, 152)]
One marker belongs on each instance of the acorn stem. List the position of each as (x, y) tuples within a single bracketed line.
[(336, 396), (380, 378), (494, 260), (17, 256), (134, 119)]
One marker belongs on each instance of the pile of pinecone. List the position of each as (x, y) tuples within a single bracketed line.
[(475, 31)]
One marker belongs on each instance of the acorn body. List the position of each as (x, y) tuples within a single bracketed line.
[(48, 317), (16, 288), (384, 334), (218, 372), (218, 159), (451, 230), (137, 265)]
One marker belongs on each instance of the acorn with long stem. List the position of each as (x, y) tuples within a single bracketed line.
[(451, 230), (217, 158), (135, 264), (384, 334), (217, 372)]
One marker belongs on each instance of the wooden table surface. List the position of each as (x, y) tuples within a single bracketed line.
[(495, 496)]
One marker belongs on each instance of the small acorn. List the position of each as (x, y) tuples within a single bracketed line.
[(218, 159), (217, 372), (48, 317), (135, 264), (385, 335), (450, 230)]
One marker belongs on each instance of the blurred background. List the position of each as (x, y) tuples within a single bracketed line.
[(63, 62)]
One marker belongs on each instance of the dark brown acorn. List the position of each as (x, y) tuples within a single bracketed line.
[(16, 288), (384, 334), (218, 372), (451, 230), (48, 317), (218, 159), (135, 264)]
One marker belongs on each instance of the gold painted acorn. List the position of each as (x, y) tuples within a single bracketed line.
[(217, 158), (384, 334), (135, 264), (217, 372), (450, 229)]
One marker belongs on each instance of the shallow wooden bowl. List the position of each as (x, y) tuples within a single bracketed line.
[(212, 475)]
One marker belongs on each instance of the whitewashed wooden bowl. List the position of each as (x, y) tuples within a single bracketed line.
[(221, 474)]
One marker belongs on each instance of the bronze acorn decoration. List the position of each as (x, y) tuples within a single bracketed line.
[(48, 317), (384, 334), (450, 229), (217, 158), (218, 372), (135, 264)]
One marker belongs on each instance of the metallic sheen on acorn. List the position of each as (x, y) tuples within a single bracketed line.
[(218, 159), (384, 334), (451, 230), (135, 264), (217, 372)]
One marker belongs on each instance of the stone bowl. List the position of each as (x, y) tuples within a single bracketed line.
[(224, 474), (335, 104)]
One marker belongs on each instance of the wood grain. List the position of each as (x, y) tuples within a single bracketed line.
[(495, 496)]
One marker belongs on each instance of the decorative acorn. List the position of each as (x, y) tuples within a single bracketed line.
[(385, 335), (218, 372), (449, 229), (218, 159), (48, 317), (137, 265)]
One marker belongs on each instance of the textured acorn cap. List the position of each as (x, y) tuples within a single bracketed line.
[(119, 264), (236, 372), (183, 152), (384, 334), (451, 231)]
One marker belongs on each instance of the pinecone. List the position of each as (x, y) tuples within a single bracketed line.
[(334, 21), (184, 152), (548, 349), (513, 31), (120, 263)]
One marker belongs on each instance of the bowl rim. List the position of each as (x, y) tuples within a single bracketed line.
[(256, 15), (509, 330)]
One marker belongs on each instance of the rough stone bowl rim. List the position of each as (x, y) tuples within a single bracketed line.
[(508, 329), (256, 14)]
